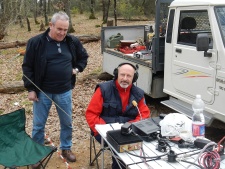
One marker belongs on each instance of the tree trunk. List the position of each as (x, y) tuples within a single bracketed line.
[(105, 10), (82, 38), (67, 10), (115, 13), (28, 25), (49, 7), (41, 6), (87, 38), (12, 44), (45, 13), (81, 7), (20, 21), (92, 16), (12, 87), (42, 26), (35, 11)]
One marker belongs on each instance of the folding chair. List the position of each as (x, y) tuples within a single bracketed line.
[(92, 146), (17, 147)]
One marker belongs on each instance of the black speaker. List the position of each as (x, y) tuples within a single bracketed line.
[(115, 72)]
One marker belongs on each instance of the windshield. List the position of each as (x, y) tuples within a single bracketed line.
[(220, 13)]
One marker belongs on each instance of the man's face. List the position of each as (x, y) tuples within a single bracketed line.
[(58, 30), (125, 75)]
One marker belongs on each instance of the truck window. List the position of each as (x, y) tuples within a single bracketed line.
[(220, 13), (192, 23)]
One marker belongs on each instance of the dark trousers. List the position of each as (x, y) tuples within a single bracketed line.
[(114, 162)]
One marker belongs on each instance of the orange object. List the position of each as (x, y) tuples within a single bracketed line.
[(22, 51)]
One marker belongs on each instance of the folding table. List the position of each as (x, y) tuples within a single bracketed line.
[(134, 162)]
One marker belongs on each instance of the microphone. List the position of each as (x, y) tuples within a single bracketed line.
[(135, 105)]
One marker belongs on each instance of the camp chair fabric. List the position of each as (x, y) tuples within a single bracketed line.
[(17, 147)]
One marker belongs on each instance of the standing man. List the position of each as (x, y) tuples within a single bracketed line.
[(112, 101), (51, 63)]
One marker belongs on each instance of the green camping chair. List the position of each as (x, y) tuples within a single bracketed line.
[(16, 146)]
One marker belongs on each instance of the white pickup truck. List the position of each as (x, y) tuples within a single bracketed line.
[(187, 55)]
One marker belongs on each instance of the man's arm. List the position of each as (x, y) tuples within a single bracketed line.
[(28, 67), (94, 110), (82, 55)]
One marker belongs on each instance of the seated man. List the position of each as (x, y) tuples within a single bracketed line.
[(112, 101)]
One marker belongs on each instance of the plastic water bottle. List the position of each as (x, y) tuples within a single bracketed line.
[(198, 119)]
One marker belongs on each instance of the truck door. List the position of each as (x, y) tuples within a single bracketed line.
[(193, 72)]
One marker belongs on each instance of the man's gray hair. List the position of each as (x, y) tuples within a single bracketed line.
[(59, 16)]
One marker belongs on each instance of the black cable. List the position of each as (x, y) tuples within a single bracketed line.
[(193, 164), (153, 157), (142, 161), (189, 152)]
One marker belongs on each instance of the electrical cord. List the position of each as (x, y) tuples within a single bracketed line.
[(203, 150), (144, 160), (192, 163), (206, 160), (188, 155), (210, 160), (144, 157)]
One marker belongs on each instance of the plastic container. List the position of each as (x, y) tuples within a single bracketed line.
[(198, 119), (114, 40)]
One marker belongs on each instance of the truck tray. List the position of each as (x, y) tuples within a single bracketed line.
[(129, 57)]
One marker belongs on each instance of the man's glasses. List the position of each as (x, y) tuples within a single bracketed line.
[(59, 48)]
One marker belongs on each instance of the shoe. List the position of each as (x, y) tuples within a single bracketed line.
[(36, 166), (68, 155)]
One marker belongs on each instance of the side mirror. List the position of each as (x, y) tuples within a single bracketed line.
[(202, 43)]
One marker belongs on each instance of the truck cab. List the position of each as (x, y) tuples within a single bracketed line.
[(195, 56)]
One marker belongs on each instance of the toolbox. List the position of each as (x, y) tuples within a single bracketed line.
[(114, 40)]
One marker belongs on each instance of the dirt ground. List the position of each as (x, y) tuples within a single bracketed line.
[(10, 68)]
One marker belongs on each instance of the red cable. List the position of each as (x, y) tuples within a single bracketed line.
[(210, 160)]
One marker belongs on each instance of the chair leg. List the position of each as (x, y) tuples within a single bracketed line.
[(92, 141), (45, 161)]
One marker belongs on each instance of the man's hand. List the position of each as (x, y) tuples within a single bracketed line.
[(32, 96), (75, 71)]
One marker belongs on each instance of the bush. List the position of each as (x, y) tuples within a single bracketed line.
[(74, 10), (127, 11)]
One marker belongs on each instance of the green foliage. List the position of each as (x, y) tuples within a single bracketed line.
[(75, 10), (127, 11)]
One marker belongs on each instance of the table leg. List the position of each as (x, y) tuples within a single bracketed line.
[(102, 145)]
